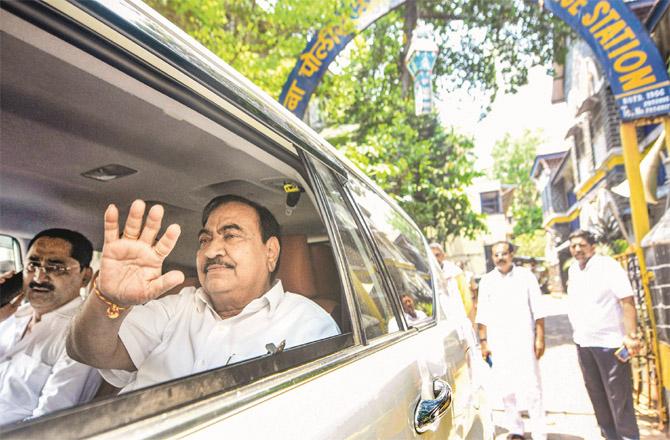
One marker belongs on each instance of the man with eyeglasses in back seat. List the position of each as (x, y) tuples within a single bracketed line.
[(36, 374)]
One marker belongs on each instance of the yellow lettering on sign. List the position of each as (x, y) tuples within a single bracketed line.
[(566, 3), (638, 78), (625, 48), (612, 16), (609, 32), (293, 96), (601, 7), (310, 64), (627, 34), (638, 57), (574, 7)]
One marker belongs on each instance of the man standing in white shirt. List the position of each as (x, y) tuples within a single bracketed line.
[(36, 374), (139, 339), (603, 317), (511, 331)]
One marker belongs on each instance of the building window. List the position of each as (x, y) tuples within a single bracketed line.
[(490, 202)]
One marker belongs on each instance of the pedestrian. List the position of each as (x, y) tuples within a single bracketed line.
[(456, 278), (510, 323), (602, 312)]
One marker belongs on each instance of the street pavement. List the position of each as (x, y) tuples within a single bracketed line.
[(569, 411)]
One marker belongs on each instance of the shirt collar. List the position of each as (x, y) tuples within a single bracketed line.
[(68, 309), (589, 263), (505, 275), (271, 298)]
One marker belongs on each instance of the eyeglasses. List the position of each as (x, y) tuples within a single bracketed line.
[(49, 268), (500, 254)]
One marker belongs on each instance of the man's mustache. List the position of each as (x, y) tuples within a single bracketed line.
[(33, 285), (218, 261)]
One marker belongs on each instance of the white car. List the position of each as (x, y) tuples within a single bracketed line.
[(108, 102)]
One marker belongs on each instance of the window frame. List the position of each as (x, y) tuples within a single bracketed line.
[(499, 208), (292, 366), (353, 209), (395, 292)]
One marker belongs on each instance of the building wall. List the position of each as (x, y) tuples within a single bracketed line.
[(471, 252)]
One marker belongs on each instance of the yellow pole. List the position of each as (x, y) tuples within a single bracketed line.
[(640, 217), (638, 205)]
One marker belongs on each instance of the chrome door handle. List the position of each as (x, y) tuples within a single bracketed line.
[(428, 411)]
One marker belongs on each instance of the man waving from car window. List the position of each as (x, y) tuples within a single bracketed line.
[(138, 339)]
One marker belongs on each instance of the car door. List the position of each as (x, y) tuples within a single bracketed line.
[(376, 392), (446, 333)]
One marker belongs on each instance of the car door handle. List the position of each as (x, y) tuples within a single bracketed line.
[(429, 410)]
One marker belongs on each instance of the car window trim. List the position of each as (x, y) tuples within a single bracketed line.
[(396, 298), (95, 417), (183, 418), (390, 288), (319, 189)]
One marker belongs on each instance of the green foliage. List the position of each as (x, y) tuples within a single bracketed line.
[(414, 158), (490, 44), (531, 244), (260, 39), (513, 159), (484, 45)]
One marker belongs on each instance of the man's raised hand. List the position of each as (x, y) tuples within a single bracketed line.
[(131, 264)]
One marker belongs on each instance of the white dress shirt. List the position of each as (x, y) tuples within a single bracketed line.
[(36, 374), (593, 302), (179, 335)]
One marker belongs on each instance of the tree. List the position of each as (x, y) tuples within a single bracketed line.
[(531, 244), (260, 39), (424, 166), (513, 159), (483, 44)]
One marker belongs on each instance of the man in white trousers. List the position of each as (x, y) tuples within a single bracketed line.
[(511, 331)]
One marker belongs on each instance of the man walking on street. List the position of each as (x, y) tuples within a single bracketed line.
[(601, 309), (511, 331)]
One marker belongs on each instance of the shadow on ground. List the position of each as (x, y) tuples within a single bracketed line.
[(501, 433), (557, 331)]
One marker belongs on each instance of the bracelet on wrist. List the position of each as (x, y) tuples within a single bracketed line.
[(113, 310)]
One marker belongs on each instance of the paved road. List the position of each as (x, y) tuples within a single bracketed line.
[(569, 411)]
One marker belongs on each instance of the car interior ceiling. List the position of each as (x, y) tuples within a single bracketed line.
[(65, 112)]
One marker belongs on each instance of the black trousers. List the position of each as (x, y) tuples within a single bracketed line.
[(610, 387)]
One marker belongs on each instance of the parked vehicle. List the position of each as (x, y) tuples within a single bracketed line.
[(108, 102)]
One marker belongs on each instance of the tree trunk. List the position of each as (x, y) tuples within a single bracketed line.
[(411, 15)]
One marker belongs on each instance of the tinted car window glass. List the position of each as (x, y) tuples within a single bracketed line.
[(376, 310), (404, 252)]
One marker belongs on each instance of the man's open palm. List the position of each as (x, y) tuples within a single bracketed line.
[(131, 264)]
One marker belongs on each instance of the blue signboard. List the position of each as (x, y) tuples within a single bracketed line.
[(324, 46), (627, 54)]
